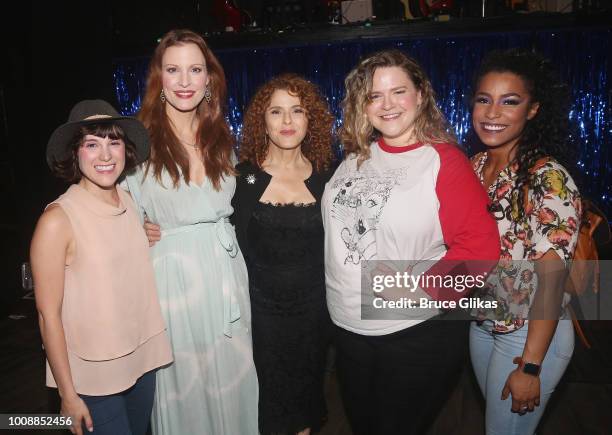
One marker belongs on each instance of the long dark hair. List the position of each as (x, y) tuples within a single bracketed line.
[(547, 133)]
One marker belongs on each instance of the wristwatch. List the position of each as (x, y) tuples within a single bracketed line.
[(527, 367), (531, 369)]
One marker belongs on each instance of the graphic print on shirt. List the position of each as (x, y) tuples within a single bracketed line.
[(359, 204)]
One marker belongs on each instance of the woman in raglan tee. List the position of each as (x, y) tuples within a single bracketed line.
[(403, 192)]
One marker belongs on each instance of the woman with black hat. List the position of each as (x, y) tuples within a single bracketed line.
[(99, 315)]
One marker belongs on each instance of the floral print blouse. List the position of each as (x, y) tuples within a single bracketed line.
[(551, 221)]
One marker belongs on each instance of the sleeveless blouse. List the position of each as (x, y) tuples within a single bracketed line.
[(110, 312)]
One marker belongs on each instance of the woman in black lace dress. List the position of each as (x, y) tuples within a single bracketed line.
[(285, 157)]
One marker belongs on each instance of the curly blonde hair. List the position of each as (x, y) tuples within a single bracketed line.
[(317, 145), (357, 133)]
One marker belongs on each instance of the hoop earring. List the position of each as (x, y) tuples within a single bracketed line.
[(162, 96), (207, 94)]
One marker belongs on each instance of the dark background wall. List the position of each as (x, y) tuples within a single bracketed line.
[(56, 56), (53, 55), (57, 53)]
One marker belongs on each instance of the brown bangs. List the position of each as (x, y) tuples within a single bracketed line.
[(68, 169)]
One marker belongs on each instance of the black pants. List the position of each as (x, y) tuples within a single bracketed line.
[(396, 384)]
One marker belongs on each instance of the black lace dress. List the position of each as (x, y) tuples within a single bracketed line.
[(289, 315)]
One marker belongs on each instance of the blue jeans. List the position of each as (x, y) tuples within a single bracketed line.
[(492, 356), (125, 413)]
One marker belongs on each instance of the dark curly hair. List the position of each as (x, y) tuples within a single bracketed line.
[(317, 149), (547, 133), (68, 169)]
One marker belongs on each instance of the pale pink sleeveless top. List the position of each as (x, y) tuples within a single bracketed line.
[(110, 312)]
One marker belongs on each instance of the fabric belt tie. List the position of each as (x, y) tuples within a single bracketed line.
[(227, 239)]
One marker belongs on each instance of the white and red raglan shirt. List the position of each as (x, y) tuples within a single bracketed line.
[(418, 202)]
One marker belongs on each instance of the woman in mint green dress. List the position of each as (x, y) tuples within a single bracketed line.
[(186, 188)]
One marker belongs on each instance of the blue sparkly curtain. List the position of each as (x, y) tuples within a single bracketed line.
[(583, 59)]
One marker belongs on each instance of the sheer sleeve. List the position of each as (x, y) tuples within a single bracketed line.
[(553, 211)]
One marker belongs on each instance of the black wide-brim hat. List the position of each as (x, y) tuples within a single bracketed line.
[(89, 112)]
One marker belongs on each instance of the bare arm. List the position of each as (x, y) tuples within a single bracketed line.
[(546, 309), (52, 245), (554, 208), (544, 315)]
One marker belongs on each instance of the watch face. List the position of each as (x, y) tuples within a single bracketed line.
[(531, 369)]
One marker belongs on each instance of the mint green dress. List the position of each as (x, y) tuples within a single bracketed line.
[(211, 388)]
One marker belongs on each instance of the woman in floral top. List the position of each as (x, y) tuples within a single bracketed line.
[(521, 349)]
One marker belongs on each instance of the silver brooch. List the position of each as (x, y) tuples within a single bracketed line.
[(250, 178)]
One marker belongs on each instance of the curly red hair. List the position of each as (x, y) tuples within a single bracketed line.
[(317, 148)]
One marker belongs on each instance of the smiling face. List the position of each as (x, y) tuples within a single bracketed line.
[(184, 77), (502, 108), (101, 161), (393, 105), (286, 120)]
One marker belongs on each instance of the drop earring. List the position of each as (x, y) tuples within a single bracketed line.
[(162, 96), (207, 94)]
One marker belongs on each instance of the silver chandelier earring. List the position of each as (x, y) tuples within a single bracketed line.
[(162, 96), (207, 94)]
